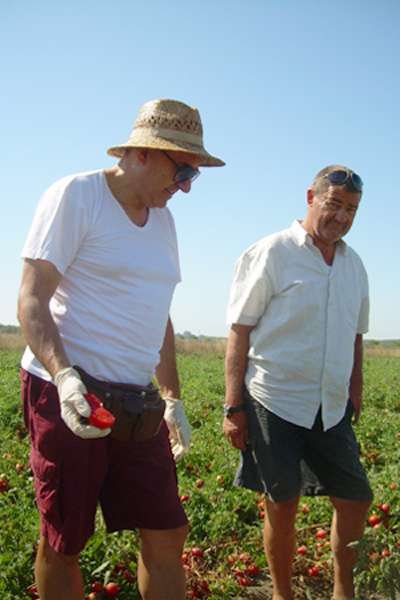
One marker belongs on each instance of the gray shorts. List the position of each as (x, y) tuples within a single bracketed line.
[(284, 460)]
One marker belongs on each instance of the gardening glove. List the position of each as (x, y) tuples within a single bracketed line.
[(73, 405), (178, 426)]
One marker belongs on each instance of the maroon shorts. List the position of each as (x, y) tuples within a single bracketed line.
[(135, 483)]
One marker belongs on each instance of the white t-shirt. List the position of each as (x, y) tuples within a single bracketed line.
[(112, 304), (306, 316)]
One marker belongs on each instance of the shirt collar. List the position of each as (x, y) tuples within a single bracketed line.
[(302, 238)]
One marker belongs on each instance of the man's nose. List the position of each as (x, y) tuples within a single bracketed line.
[(185, 186)]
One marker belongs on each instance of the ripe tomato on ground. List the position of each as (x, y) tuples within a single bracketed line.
[(197, 552), (321, 534), (112, 589), (96, 586), (374, 520)]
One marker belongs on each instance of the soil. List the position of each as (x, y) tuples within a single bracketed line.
[(312, 589)]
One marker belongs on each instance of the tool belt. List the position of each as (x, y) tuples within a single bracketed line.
[(138, 410)]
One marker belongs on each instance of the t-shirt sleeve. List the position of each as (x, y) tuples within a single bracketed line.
[(174, 241), (363, 318), (59, 225), (251, 289)]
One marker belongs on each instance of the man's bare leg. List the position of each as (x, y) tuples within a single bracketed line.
[(279, 541), (58, 576), (160, 571), (348, 524)]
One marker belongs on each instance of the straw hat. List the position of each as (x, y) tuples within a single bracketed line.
[(168, 125)]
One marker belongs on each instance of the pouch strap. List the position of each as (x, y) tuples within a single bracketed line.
[(127, 393)]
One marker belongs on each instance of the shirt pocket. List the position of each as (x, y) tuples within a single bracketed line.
[(297, 306)]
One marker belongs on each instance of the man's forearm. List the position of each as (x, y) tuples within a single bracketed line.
[(356, 379), (166, 371), (236, 363), (41, 334)]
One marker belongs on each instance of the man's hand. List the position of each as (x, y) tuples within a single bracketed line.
[(179, 429), (73, 405), (235, 429)]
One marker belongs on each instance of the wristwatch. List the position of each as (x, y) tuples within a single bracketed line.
[(232, 410)]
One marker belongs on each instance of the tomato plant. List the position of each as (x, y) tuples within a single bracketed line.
[(224, 551)]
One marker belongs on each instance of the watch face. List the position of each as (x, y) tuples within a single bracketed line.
[(232, 410)]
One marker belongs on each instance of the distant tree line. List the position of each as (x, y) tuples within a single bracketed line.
[(188, 335), (9, 328)]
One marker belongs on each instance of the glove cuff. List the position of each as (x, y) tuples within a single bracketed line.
[(63, 373), (172, 400)]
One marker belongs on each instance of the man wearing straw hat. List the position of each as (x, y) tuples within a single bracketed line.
[(298, 310), (100, 267)]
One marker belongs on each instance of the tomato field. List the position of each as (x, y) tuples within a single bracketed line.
[(223, 557)]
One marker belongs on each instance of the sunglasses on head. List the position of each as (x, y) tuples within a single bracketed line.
[(351, 180), (183, 173)]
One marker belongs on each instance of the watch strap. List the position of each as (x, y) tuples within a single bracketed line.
[(232, 410)]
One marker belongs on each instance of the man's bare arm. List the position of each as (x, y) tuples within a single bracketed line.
[(166, 371), (235, 426), (39, 281), (356, 379)]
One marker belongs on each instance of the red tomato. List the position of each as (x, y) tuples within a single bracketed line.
[(313, 571), (4, 485), (302, 550), (112, 589), (203, 585), (100, 417), (252, 570), (374, 520), (32, 591), (128, 576), (96, 586), (321, 534), (245, 581)]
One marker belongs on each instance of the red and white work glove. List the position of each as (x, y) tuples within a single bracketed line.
[(180, 431), (71, 391)]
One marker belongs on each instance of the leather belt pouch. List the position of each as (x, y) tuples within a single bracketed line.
[(138, 410)]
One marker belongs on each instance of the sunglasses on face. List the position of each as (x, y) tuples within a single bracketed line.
[(352, 181), (183, 173)]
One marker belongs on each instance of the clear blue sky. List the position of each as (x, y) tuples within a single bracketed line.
[(284, 88)]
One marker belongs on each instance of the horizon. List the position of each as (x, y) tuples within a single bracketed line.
[(216, 337)]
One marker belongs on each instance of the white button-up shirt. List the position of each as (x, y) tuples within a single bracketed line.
[(306, 316)]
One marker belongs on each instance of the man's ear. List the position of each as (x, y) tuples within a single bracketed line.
[(310, 196)]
